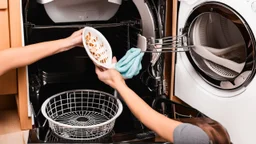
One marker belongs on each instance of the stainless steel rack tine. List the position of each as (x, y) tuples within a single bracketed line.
[(168, 44), (166, 51), (171, 37), (172, 47)]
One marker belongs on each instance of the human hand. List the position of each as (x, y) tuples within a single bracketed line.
[(110, 77), (75, 40)]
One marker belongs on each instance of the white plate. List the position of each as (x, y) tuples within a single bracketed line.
[(97, 47)]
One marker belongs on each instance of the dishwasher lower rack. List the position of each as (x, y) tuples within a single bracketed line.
[(82, 114)]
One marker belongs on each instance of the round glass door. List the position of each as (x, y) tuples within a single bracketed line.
[(223, 50)]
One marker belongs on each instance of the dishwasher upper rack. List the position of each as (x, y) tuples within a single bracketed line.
[(82, 25), (128, 30), (167, 44)]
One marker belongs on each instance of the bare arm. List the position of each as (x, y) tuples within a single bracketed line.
[(17, 57), (155, 121)]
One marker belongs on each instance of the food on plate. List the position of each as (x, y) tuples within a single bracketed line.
[(96, 48)]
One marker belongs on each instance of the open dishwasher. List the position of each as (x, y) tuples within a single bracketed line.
[(54, 19)]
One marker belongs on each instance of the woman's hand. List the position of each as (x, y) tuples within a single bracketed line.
[(75, 40), (110, 77)]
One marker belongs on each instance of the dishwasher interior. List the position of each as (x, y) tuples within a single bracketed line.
[(74, 70)]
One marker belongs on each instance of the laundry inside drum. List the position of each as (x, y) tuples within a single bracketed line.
[(220, 50)]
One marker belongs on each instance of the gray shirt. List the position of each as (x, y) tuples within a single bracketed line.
[(190, 134)]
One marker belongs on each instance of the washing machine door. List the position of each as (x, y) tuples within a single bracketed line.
[(222, 46)]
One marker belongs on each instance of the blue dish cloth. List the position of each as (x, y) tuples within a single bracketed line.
[(130, 64)]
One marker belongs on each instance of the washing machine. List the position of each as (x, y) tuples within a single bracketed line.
[(217, 73)]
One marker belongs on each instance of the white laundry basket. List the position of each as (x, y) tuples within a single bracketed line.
[(82, 114)]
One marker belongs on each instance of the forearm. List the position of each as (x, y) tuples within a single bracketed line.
[(18, 57), (149, 117)]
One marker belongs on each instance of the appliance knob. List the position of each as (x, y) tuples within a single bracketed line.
[(254, 6)]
